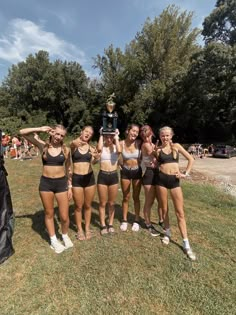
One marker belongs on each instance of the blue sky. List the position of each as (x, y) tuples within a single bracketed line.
[(78, 30)]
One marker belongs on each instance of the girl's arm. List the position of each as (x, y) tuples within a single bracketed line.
[(29, 134), (68, 169), (117, 142), (100, 144), (148, 148), (95, 155), (188, 157)]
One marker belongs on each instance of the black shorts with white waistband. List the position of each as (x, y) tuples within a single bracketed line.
[(107, 178), (55, 185), (167, 181), (83, 180), (131, 173)]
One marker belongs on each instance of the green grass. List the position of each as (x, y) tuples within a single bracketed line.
[(127, 273)]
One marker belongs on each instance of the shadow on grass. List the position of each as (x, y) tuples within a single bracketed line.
[(38, 224)]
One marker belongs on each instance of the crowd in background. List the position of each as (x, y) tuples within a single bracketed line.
[(16, 147)]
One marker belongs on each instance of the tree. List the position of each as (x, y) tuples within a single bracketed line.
[(205, 100), (37, 91), (220, 25), (142, 75)]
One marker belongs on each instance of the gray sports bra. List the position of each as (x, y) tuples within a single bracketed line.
[(130, 155)]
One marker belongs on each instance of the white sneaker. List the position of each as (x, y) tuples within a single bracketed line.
[(67, 242), (165, 240), (124, 226), (57, 247), (135, 227), (191, 255)]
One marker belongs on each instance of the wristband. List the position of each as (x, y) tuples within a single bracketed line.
[(186, 174), (69, 186)]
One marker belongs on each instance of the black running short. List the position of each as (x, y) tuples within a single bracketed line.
[(131, 173), (83, 180), (167, 181), (149, 177), (107, 178), (55, 185)]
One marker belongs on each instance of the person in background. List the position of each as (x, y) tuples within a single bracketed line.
[(169, 179), (54, 182), (16, 143), (5, 144), (26, 154), (131, 174), (83, 181), (107, 183), (149, 166)]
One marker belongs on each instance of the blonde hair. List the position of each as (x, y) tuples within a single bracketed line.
[(48, 143), (172, 145), (73, 146)]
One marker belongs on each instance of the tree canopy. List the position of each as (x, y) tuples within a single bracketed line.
[(220, 25), (163, 77)]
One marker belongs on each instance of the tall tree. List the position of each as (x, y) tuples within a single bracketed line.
[(143, 74), (220, 25), (205, 100)]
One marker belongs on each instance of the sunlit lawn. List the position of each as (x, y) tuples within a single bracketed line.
[(127, 273)]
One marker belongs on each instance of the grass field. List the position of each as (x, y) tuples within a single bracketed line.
[(127, 273)]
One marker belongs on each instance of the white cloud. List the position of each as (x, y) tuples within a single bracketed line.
[(24, 37)]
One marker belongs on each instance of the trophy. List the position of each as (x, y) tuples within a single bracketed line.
[(109, 117)]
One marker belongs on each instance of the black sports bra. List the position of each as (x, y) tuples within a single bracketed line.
[(164, 158), (57, 160), (78, 157)]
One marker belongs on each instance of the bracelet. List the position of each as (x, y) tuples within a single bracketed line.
[(69, 186)]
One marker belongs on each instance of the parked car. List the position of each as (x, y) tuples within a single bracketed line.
[(222, 150)]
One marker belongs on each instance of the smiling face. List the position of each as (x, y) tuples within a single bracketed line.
[(133, 133), (166, 135), (86, 134)]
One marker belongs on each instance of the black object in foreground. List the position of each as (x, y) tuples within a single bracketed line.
[(6, 212)]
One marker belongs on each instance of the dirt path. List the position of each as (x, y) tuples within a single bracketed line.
[(221, 172), (214, 168)]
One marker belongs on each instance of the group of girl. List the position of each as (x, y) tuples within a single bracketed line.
[(68, 173)]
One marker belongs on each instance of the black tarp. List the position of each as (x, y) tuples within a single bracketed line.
[(6, 213)]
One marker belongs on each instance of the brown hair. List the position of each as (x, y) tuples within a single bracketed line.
[(130, 126), (146, 131)]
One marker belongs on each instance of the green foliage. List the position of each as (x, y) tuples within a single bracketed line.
[(220, 25), (206, 97), (142, 75), (161, 78)]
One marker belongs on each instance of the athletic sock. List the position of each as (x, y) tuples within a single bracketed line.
[(53, 238), (168, 233), (186, 243)]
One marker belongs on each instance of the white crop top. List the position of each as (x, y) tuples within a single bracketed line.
[(110, 156)]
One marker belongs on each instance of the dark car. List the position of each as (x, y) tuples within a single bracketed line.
[(222, 150)]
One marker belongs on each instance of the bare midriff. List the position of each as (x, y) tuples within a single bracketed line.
[(82, 168), (53, 171), (169, 168), (130, 163), (108, 166)]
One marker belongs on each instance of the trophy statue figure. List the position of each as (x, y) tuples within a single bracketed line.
[(109, 117)]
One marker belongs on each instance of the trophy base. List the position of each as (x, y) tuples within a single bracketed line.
[(108, 132)]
